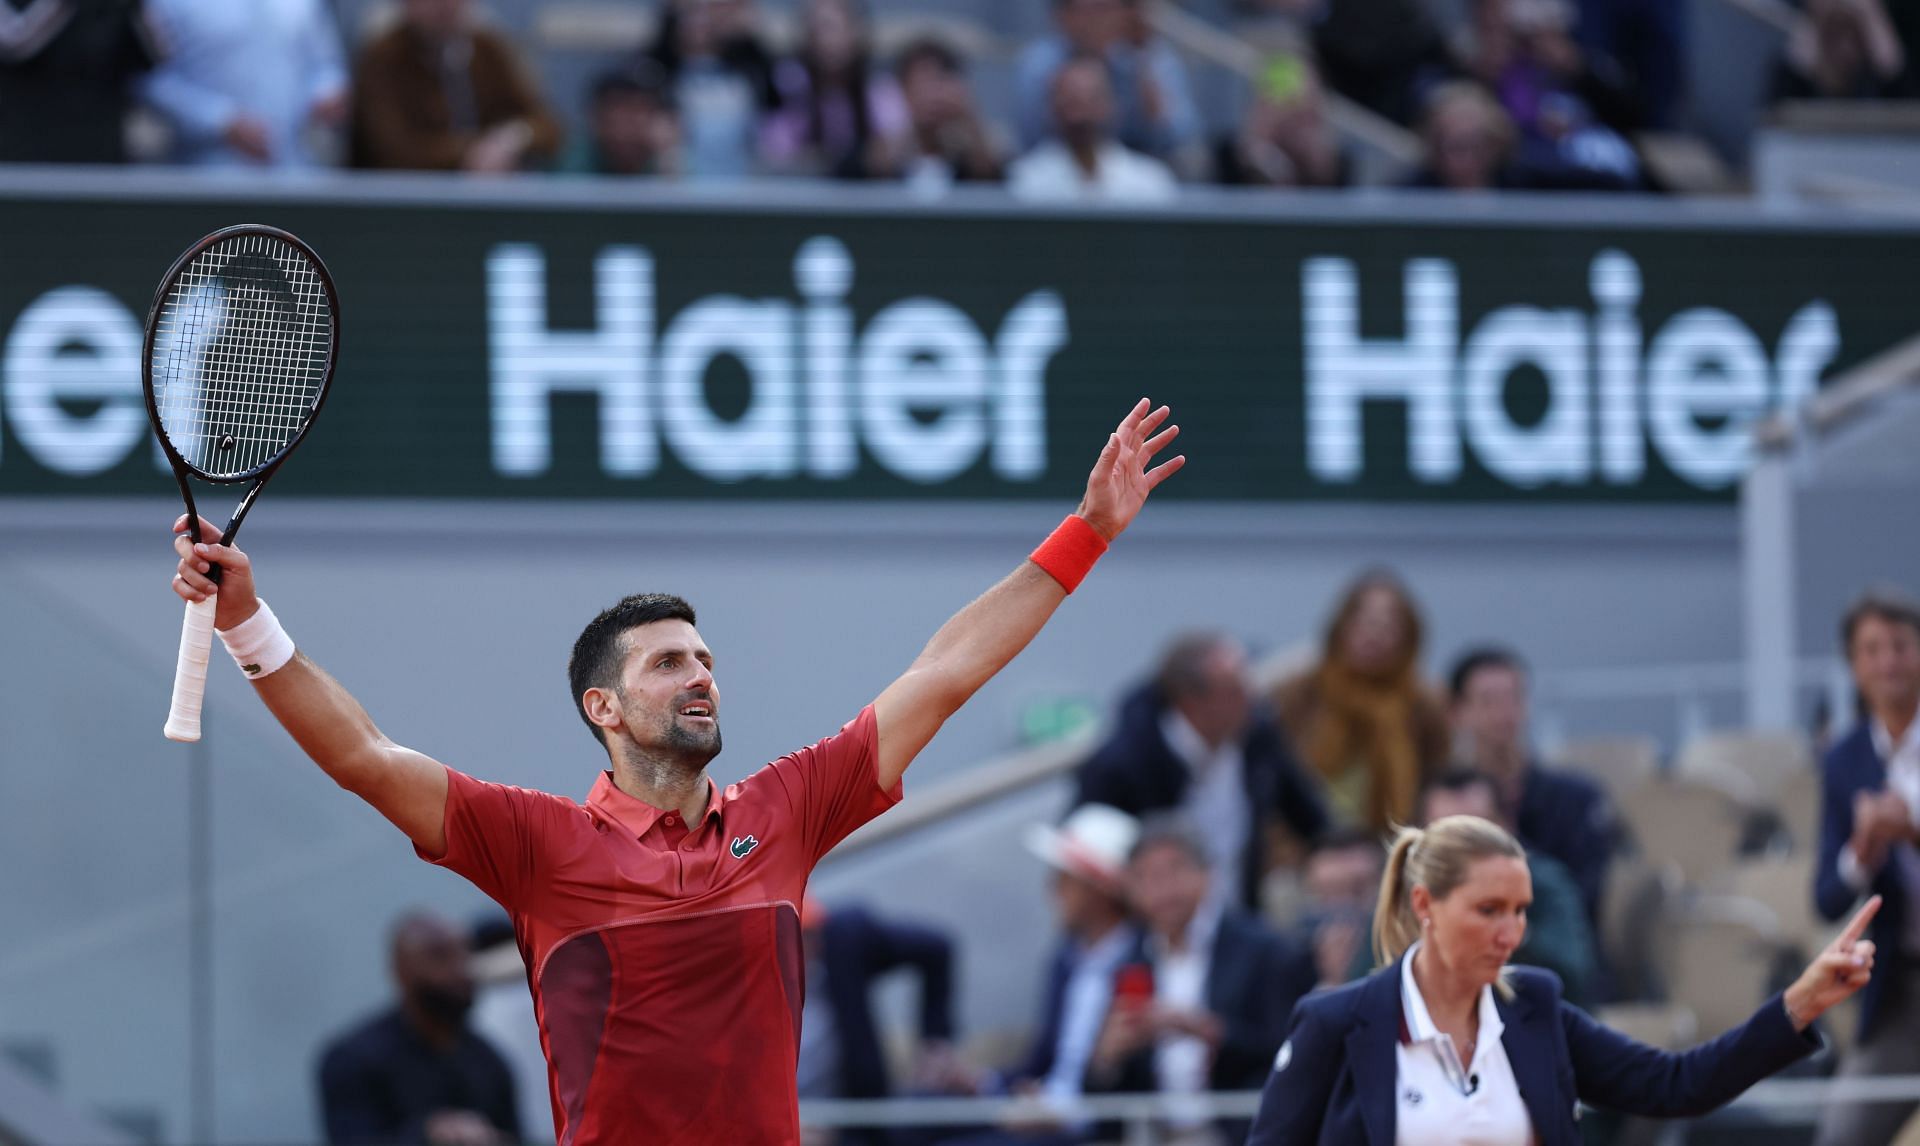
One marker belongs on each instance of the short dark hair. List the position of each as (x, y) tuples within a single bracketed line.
[(1880, 602), (1173, 830), (641, 77), (1457, 780), (928, 50), (1183, 667), (595, 662), (1483, 657)]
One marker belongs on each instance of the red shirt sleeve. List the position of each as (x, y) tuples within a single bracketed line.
[(496, 834), (835, 784)]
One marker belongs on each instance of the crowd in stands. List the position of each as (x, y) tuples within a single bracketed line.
[(1534, 94), (1220, 859)]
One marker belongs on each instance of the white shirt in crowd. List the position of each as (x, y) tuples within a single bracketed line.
[(1903, 780), (1216, 797), (1442, 1103), (1049, 172), (1180, 984), (1088, 995)]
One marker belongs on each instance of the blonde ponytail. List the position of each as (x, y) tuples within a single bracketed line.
[(1394, 928), (1436, 858)]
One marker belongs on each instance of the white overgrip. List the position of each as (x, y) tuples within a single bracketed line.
[(190, 672)]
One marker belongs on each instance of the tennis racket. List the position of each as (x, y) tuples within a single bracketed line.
[(239, 352)]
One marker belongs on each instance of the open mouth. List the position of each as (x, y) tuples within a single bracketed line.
[(697, 711)]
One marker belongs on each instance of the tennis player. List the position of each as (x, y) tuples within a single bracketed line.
[(660, 919)]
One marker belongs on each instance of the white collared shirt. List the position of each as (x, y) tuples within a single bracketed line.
[(1180, 1064), (1216, 801), (1049, 172), (1442, 1103), (1902, 761)]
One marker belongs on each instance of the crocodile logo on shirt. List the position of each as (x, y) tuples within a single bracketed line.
[(742, 845)]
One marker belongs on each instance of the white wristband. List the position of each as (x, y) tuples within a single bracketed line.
[(258, 644)]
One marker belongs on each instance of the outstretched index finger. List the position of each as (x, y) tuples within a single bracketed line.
[(1858, 925)]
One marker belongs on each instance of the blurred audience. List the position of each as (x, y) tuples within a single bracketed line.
[(1192, 740), (66, 77), (1342, 884), (634, 128), (1469, 141), (948, 141), (1153, 101), (1643, 43), (1558, 936), (440, 91), (838, 114), (1084, 160), (1362, 718), (1285, 139), (417, 1073), (1869, 828), (249, 84), (722, 77), (1845, 49), (1383, 54), (1564, 113), (503, 1016), (1559, 813), (848, 949), (1220, 987)]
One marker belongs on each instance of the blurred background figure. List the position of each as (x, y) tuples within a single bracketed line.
[(1869, 832), (1084, 160), (1469, 141), (66, 78), (633, 126), (723, 82), (1222, 990), (250, 83), (1642, 46), (1193, 741), (1285, 139), (1154, 111), (1341, 883), (1362, 718), (839, 115), (1385, 55), (417, 1072), (1558, 935), (1845, 50), (504, 1019), (948, 141), (439, 91), (1561, 814)]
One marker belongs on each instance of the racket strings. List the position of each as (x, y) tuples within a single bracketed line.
[(240, 353)]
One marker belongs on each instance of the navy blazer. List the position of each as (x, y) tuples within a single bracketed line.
[(1568, 817), (855, 949), (1853, 766), (1137, 771), (1335, 1081)]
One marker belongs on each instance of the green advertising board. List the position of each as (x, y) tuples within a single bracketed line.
[(519, 346)]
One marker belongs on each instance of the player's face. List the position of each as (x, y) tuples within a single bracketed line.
[(1478, 925), (669, 701)]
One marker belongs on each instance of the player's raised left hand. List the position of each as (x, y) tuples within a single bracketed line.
[(1121, 479)]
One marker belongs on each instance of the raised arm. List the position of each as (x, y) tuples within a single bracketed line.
[(330, 726), (984, 637)]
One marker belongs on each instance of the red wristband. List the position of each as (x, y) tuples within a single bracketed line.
[(1069, 552)]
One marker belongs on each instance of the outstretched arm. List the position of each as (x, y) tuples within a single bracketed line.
[(984, 637), (404, 786)]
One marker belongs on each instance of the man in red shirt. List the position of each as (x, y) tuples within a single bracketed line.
[(659, 921)]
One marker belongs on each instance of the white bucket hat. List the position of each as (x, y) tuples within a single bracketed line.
[(1093, 842)]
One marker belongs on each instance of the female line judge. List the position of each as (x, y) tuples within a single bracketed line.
[(1449, 1046)]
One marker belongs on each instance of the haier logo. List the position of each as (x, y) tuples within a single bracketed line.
[(1694, 390), (925, 390)]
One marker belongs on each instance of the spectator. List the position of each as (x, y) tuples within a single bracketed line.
[(1361, 717), (1469, 141), (1564, 815), (1564, 114), (634, 128), (1155, 112), (1845, 49), (847, 950), (66, 72), (503, 1016), (838, 116), (1558, 936), (1342, 883), (1222, 986), (948, 141), (441, 92), (1383, 54), (1085, 161), (1284, 139), (1870, 824), (1192, 740), (245, 84), (417, 1073), (1643, 44), (722, 77)]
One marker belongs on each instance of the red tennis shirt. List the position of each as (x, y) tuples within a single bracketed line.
[(664, 958)]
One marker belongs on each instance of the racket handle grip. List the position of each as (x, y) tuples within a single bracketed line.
[(190, 672)]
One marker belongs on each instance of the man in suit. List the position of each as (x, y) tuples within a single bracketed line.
[(1193, 741), (1870, 798), (1212, 988), (1557, 813), (847, 949)]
